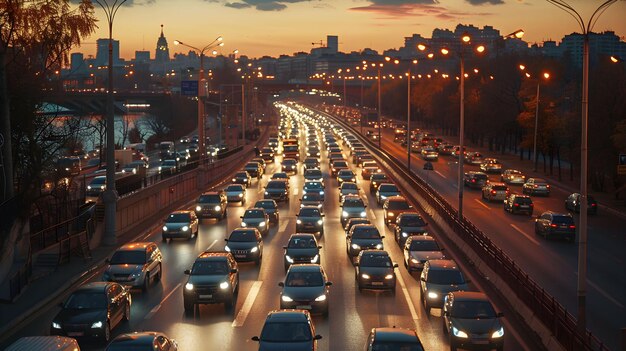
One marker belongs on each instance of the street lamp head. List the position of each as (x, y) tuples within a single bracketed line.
[(527, 75), (518, 33), (236, 51), (221, 44), (177, 42), (415, 61), (546, 75), (475, 70), (387, 58), (466, 38), (431, 55), (522, 67), (219, 38), (480, 48), (421, 47), (616, 59), (214, 52)]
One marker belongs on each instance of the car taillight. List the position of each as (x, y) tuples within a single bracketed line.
[(493, 192), (536, 186), (531, 205), (473, 180), (516, 205), (593, 205), (553, 225), (547, 186)]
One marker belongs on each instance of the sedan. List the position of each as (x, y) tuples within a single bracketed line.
[(513, 176), (277, 190), (310, 220), (267, 154), (311, 163), (346, 175), (395, 206), (288, 330), (270, 207), (254, 169), (347, 188), (362, 237), (352, 207), (180, 224), (92, 311), (374, 270), (236, 193), (491, 165), (146, 340), (313, 199), (536, 186), (135, 264), (306, 287), (289, 165), (418, 249), (384, 191), (438, 278), (242, 178), (256, 218), (280, 176), (552, 224), (376, 180), (407, 224), (246, 244), (572, 203), (495, 192), (313, 175), (301, 248), (314, 186)]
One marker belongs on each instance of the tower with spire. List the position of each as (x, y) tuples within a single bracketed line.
[(162, 54)]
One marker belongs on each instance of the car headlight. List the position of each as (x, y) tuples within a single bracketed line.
[(498, 333), (240, 195), (405, 234), (321, 298), (226, 248), (379, 246), (414, 260), (320, 222), (185, 228), (432, 295), (321, 192), (254, 249), (266, 193), (363, 214), (244, 224), (319, 205), (389, 276), (97, 324), (354, 180), (234, 180), (458, 333), (56, 325), (390, 214), (286, 298), (365, 276), (315, 258), (224, 285), (198, 208), (164, 228), (262, 224), (355, 246), (344, 213), (298, 221), (383, 197), (88, 187), (217, 208), (290, 260)]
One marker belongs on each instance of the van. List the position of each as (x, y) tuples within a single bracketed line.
[(44, 343)]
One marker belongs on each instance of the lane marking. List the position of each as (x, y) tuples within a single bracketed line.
[(482, 204), (604, 293), (295, 192), (442, 176), (533, 240), (212, 244), (247, 305), (157, 307), (409, 302)]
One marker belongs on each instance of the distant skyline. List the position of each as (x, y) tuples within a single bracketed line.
[(274, 27)]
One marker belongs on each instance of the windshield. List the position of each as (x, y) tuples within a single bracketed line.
[(302, 243), (351, 186), (412, 221), (340, 164), (365, 232), (539, 181), (379, 177), (209, 268), (178, 218), (241, 175), (353, 203), (346, 174), (86, 300), (286, 332), (388, 188), (313, 173), (304, 279), (291, 148), (169, 163), (98, 181), (397, 346), (289, 162), (128, 257), (209, 199), (234, 188), (254, 214), (280, 175), (562, 219), (313, 185), (426, 245), (242, 236), (309, 212), (312, 197), (398, 205), (277, 185), (370, 260), (472, 309), (268, 205), (445, 277)]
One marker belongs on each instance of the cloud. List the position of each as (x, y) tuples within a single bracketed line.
[(260, 5), (237, 5), (482, 2), (271, 6), (399, 9)]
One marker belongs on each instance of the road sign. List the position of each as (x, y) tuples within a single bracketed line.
[(621, 169), (189, 87)]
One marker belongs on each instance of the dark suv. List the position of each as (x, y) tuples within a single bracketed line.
[(214, 278), (475, 180), (254, 169), (516, 203), (277, 190), (212, 204), (394, 339), (552, 224)]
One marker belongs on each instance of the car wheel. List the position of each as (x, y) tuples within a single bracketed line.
[(106, 336), (443, 324), (164, 239), (159, 274), (127, 312), (230, 303), (188, 307), (426, 305), (146, 282)]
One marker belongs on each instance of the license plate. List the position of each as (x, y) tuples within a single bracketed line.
[(523, 206), (480, 342), (75, 334), (206, 296), (303, 307), (240, 256), (377, 283)]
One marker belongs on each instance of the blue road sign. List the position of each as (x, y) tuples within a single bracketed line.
[(189, 87)]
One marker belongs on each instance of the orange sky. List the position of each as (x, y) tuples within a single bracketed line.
[(275, 27)]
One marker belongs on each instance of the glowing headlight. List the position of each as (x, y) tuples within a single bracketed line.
[(254, 249), (290, 260), (198, 208), (164, 228), (185, 228), (226, 248), (365, 276), (240, 195), (320, 298), (405, 234), (414, 260), (286, 298), (262, 224), (234, 180), (266, 193), (315, 258), (319, 205), (390, 214), (355, 246), (458, 333), (298, 221), (88, 187), (224, 285), (383, 197), (344, 213), (244, 224), (354, 180), (56, 325), (498, 333), (218, 207), (379, 246), (321, 192), (363, 214), (389, 276), (320, 222), (97, 324), (432, 295)]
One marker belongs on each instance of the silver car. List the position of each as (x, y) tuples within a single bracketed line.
[(180, 224), (136, 264), (352, 207), (439, 277), (418, 249), (256, 218), (236, 193), (513, 176)]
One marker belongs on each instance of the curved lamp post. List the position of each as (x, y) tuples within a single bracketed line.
[(545, 76)]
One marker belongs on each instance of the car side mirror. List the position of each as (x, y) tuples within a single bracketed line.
[(241, 217), (255, 338), (234, 270), (395, 265), (319, 247), (364, 206), (188, 272), (281, 284), (329, 283), (382, 237), (499, 314), (423, 279), (317, 337)]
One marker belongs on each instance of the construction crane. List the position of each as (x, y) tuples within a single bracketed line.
[(320, 43)]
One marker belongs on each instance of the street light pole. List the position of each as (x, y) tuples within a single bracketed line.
[(379, 108), (408, 120), (109, 195), (461, 136)]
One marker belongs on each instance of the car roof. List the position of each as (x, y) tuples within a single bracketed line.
[(373, 252), (396, 198), (305, 267), (302, 235), (443, 265), (289, 315), (211, 193), (94, 287), (136, 338), (181, 212), (134, 246), (395, 334), (213, 256), (421, 238), (469, 296)]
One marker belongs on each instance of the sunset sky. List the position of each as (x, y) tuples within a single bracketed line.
[(274, 27)]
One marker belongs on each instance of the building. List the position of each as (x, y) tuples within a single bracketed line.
[(142, 56), (102, 53), (162, 54), (600, 44)]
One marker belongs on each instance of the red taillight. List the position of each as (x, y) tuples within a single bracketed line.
[(516, 205), (592, 205), (553, 225), (531, 205), (572, 227), (536, 186), (547, 186), (493, 192), (473, 180)]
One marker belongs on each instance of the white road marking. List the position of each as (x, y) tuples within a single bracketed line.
[(604, 293), (295, 192), (482, 204), (247, 305), (533, 240), (157, 307), (409, 302), (210, 246), (442, 176)]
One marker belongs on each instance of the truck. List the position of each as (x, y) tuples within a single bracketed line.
[(123, 157)]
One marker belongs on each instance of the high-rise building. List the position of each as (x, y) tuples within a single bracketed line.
[(142, 56), (606, 43), (162, 54), (77, 63), (332, 42), (102, 53)]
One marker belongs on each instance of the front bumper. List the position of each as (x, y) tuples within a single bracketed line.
[(79, 331), (245, 255), (207, 295), (311, 306), (176, 234), (474, 342), (377, 283)]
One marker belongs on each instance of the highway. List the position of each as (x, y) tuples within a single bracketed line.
[(352, 314)]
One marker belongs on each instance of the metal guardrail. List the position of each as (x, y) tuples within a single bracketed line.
[(550, 312)]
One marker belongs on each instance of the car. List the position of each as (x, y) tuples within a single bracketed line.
[(44, 343), (438, 278), (457, 149), (517, 203), (384, 191), (277, 190), (374, 270), (475, 180), (429, 153), (146, 340), (552, 224), (168, 166), (254, 169), (92, 311), (313, 187), (313, 175), (313, 198), (273, 144), (301, 248), (311, 163), (376, 180), (393, 207), (364, 158), (313, 152), (289, 165), (572, 203), (418, 249), (495, 192), (267, 154), (536, 186), (306, 287), (363, 237), (369, 168), (310, 220), (354, 221), (291, 151), (96, 186), (491, 165), (246, 245), (345, 175), (446, 149), (348, 188), (271, 209), (236, 193), (130, 169), (474, 158), (212, 204), (386, 338), (288, 330), (213, 278), (471, 321), (338, 166), (513, 177), (242, 178), (256, 217), (135, 264), (180, 224), (407, 224), (260, 161), (280, 176), (352, 207)]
